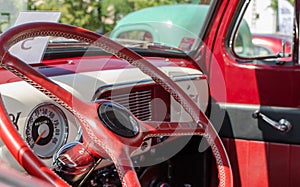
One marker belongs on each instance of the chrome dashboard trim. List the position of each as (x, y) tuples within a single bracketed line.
[(100, 90)]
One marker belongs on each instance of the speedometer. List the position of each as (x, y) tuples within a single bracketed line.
[(46, 130)]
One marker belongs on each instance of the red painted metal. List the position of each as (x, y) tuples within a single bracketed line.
[(255, 163), (266, 85), (263, 164), (92, 63), (272, 42)]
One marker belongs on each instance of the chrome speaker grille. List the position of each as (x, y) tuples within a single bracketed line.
[(138, 102)]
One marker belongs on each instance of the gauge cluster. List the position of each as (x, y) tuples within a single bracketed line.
[(44, 125), (46, 130)]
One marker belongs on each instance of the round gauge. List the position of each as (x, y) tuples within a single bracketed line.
[(46, 130)]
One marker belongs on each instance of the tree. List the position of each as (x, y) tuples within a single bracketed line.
[(274, 4), (9, 12), (96, 14), (114, 10), (140, 4), (86, 14)]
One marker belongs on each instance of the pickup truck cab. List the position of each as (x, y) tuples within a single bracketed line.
[(254, 93), (177, 95)]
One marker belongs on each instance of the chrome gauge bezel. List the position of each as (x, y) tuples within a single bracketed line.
[(53, 121)]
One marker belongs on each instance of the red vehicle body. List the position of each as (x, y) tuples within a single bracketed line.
[(260, 155), (269, 44), (253, 110)]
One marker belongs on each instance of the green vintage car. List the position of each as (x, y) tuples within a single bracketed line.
[(170, 26)]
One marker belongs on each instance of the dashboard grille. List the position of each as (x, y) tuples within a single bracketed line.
[(137, 102)]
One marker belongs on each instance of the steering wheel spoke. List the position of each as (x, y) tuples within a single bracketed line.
[(125, 168), (154, 129)]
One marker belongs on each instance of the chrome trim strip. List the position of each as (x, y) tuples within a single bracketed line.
[(252, 106), (239, 19), (100, 90)]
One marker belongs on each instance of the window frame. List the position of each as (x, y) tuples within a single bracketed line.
[(236, 22)]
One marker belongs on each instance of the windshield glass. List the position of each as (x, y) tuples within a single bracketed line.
[(173, 25)]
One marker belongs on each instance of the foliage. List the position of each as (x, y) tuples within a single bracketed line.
[(113, 10), (274, 4), (82, 13), (8, 12), (96, 15), (140, 4)]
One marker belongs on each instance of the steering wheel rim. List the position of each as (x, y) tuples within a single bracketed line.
[(122, 161)]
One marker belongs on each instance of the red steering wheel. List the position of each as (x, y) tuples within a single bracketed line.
[(97, 137)]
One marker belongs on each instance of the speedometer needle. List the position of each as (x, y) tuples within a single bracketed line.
[(40, 136)]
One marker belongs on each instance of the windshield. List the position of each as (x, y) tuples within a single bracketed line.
[(173, 25)]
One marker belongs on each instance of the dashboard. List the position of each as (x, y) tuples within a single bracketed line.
[(46, 126)]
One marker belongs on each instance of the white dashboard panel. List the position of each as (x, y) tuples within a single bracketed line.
[(20, 98)]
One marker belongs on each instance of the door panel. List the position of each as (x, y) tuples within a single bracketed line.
[(257, 163), (239, 123), (259, 154)]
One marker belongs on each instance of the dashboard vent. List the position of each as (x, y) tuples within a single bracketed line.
[(137, 102)]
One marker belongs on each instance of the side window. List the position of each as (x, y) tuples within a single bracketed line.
[(266, 30), (243, 45)]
